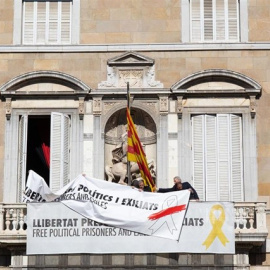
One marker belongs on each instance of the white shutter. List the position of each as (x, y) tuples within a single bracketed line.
[(41, 23), (66, 142), (47, 22), (233, 20), (220, 21), (211, 158), (223, 156), (198, 155), (23, 124), (59, 160), (53, 22), (208, 20), (195, 13), (236, 158), (28, 23), (217, 157), (214, 20), (65, 22)]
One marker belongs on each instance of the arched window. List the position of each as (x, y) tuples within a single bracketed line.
[(41, 130), (216, 110)]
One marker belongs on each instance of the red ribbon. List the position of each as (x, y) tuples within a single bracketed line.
[(168, 211)]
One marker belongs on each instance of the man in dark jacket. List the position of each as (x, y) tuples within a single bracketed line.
[(178, 185)]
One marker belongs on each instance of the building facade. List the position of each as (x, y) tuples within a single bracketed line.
[(199, 81)]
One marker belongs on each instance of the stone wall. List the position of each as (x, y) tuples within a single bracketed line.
[(259, 22), (140, 21), (133, 261), (170, 68), (6, 22)]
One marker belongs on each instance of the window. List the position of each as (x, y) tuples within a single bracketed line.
[(44, 148), (47, 22), (217, 157), (214, 20)]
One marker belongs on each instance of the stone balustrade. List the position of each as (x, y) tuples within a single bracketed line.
[(250, 222), (13, 223)]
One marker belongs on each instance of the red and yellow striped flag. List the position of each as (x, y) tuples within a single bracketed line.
[(136, 153)]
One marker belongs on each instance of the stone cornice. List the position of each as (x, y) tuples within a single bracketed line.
[(136, 47)]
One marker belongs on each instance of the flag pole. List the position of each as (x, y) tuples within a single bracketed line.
[(128, 162)]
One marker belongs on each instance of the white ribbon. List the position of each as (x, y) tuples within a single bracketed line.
[(167, 220)]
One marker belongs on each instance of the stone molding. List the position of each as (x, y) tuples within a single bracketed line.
[(156, 47), (246, 87), (41, 76), (78, 89)]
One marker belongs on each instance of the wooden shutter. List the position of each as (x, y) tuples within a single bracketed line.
[(223, 141), (220, 21), (217, 157), (211, 158), (233, 20), (66, 142), (208, 20), (47, 22), (65, 22), (41, 22), (214, 20), (196, 23), (236, 158), (59, 160), (53, 22), (23, 125), (198, 155), (28, 23)]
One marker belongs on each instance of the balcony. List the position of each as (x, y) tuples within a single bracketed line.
[(250, 223)]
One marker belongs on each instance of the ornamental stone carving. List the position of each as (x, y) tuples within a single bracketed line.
[(8, 108), (111, 79), (133, 76), (130, 67), (150, 78), (97, 106), (164, 106)]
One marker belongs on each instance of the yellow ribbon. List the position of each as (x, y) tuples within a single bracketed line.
[(217, 223)]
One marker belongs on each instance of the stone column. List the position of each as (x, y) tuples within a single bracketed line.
[(261, 217), (2, 215), (18, 257), (241, 257), (98, 140), (162, 143), (184, 142)]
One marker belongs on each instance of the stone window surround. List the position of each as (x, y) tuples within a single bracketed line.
[(249, 89), (17, 30), (8, 91), (11, 147), (249, 146), (185, 20)]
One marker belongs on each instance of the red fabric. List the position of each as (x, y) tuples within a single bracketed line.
[(136, 153), (46, 153), (168, 211)]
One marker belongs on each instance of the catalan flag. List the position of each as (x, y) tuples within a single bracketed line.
[(136, 153)]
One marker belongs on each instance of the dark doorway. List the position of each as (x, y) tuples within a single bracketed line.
[(38, 146)]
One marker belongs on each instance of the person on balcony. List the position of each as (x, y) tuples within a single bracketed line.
[(178, 185)]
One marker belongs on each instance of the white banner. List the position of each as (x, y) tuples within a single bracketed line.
[(156, 214), (52, 228)]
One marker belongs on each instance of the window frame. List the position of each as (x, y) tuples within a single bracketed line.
[(186, 23), (11, 188), (249, 146), (213, 162), (18, 24)]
